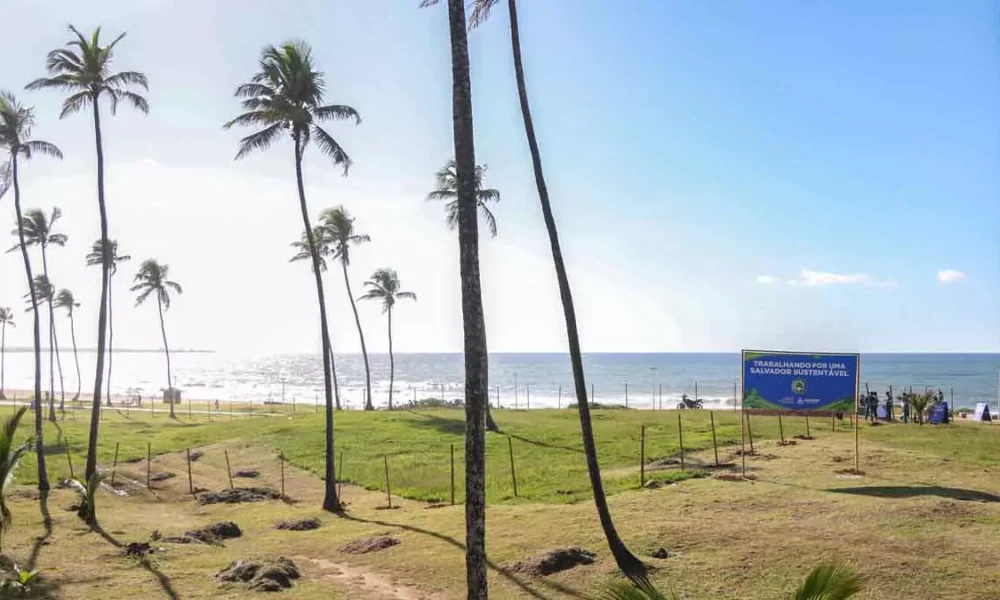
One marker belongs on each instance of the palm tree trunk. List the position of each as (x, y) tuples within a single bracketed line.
[(630, 565), (166, 350), (330, 501), (361, 336), (333, 373), (43, 477), (52, 333), (62, 381), (476, 358), (392, 364), (111, 334), (3, 358), (102, 312), (76, 357)]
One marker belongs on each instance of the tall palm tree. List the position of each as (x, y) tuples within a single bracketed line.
[(16, 122), (6, 320), (302, 253), (152, 277), (65, 300), (473, 321), (96, 258), (39, 231), (337, 231), (286, 95), (83, 69), (10, 455), (384, 286), (629, 564), (447, 190)]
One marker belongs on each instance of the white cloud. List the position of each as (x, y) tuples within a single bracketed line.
[(767, 279), (823, 278), (950, 276)]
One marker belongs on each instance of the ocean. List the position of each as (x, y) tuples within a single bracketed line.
[(516, 380)]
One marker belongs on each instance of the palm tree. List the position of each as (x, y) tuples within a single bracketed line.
[(447, 190), (96, 258), (38, 231), (629, 564), (152, 277), (337, 232), (920, 403), (65, 300), (16, 122), (473, 321), (286, 95), (6, 320), (83, 68), (302, 253), (384, 286), (10, 455)]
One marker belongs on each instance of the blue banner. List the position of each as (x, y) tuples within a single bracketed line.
[(800, 381)]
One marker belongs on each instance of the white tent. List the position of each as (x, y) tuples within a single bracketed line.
[(982, 412)]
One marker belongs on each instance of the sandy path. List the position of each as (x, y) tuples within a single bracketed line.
[(359, 580)]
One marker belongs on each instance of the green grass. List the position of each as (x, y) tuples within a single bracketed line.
[(547, 449)]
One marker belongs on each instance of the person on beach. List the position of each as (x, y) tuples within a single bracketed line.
[(906, 407), (888, 406)]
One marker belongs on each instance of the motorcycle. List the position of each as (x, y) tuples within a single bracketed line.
[(689, 403)]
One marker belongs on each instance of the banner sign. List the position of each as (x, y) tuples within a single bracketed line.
[(800, 381)]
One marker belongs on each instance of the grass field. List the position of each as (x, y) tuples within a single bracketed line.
[(921, 523)]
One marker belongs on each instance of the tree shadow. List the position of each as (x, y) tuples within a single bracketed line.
[(36, 549), (914, 491), (519, 582), (165, 584), (449, 426), (544, 444)]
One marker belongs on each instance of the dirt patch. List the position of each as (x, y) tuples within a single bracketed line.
[(362, 583), (261, 575), (240, 494), (299, 525), (162, 476), (787, 443), (196, 455), (854, 472), (735, 477), (215, 533), (366, 545), (247, 474), (664, 462), (552, 561)]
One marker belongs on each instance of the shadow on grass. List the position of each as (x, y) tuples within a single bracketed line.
[(161, 578), (544, 444), (519, 582), (449, 426), (915, 491), (43, 503)]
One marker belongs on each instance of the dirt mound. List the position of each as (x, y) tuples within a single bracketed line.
[(138, 549), (735, 477), (196, 455), (261, 575), (240, 494), (804, 437), (162, 476), (665, 462), (366, 545), (299, 525), (247, 474), (552, 561), (215, 533)]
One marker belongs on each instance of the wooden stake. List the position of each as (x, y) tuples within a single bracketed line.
[(680, 438), (750, 434), (229, 471), (189, 408), (149, 458), (513, 474), (715, 443), (68, 458), (642, 456), (388, 489), (857, 449), (833, 422), (453, 474), (661, 396), (593, 397), (743, 447), (781, 430), (560, 396), (340, 473), (626, 394), (281, 459), (190, 480), (808, 433), (114, 465), (527, 398)]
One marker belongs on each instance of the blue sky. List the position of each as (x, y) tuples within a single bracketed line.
[(724, 174)]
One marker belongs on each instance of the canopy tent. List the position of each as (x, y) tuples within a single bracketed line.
[(982, 413)]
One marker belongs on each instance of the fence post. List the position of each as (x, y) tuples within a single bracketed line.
[(251, 407), (642, 456), (208, 405), (281, 459), (715, 444), (189, 408), (340, 474), (513, 474), (808, 432), (560, 396), (388, 489), (743, 445), (781, 430), (149, 457), (114, 465), (750, 434), (680, 438), (453, 474), (833, 423), (527, 390), (498, 398), (68, 458), (229, 471), (626, 394), (152, 401), (593, 398), (190, 480), (661, 396)]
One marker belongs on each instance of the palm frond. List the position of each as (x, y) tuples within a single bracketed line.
[(329, 146), (626, 590), (123, 79), (259, 141), (830, 582), (480, 12), (33, 147), (491, 221), (64, 83), (75, 103), (337, 112)]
